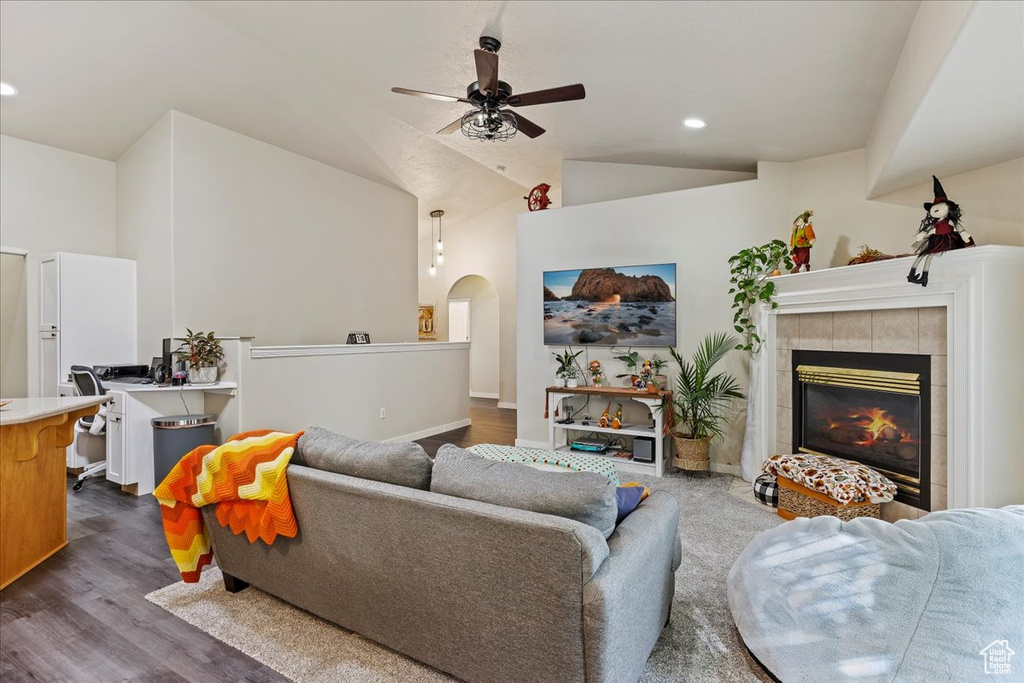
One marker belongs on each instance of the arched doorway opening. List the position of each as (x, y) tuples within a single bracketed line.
[(471, 314)]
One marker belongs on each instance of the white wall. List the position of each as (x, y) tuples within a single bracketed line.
[(52, 200), (699, 229), (586, 182), (483, 245), (13, 326), (272, 244), (144, 231), (484, 321), (423, 388)]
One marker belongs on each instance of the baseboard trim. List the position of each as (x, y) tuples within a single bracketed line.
[(432, 431), (526, 443), (734, 470), (483, 394), (508, 405)]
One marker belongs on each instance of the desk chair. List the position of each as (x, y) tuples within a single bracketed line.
[(87, 383)]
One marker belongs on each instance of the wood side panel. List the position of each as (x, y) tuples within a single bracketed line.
[(33, 493)]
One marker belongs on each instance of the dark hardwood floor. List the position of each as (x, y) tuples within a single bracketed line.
[(491, 424), (83, 616)]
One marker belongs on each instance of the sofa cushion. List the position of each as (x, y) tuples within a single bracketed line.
[(403, 464), (582, 496)]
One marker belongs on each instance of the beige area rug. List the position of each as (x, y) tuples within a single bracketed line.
[(718, 517)]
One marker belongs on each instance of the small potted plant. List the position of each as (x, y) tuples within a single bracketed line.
[(567, 369), (658, 364), (700, 400), (631, 359), (203, 353)]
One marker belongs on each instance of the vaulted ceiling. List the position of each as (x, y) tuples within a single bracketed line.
[(776, 81)]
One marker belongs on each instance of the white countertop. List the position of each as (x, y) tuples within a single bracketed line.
[(21, 410), (138, 388)]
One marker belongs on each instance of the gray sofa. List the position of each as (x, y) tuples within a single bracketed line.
[(483, 592)]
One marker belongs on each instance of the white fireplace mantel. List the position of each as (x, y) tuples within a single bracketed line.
[(982, 289)]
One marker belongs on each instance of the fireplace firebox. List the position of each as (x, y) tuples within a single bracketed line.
[(873, 408)]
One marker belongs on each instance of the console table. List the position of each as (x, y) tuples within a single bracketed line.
[(33, 484), (660, 405)]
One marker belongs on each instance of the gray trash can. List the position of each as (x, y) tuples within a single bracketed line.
[(176, 435)]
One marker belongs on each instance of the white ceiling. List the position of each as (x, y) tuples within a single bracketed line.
[(972, 115), (777, 81)]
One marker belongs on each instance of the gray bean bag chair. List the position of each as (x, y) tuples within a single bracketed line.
[(917, 601)]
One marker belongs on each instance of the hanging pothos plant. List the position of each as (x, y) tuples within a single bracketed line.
[(750, 285)]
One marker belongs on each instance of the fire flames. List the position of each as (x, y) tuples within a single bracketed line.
[(874, 425)]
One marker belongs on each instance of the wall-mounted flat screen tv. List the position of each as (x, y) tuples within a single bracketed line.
[(626, 306)]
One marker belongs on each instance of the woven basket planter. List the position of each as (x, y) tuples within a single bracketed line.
[(796, 500), (691, 454)]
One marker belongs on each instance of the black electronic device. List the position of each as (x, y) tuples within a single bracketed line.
[(116, 373), (166, 354), (643, 449)]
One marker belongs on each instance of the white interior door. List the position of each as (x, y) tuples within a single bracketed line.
[(458, 320)]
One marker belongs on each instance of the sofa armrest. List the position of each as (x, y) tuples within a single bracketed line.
[(627, 603)]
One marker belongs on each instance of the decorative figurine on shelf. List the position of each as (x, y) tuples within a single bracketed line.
[(617, 420), (606, 420), (801, 240), (596, 377), (940, 231), (646, 375)]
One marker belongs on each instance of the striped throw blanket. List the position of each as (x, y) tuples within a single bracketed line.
[(245, 478)]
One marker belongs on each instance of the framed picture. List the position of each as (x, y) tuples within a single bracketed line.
[(427, 318), (620, 306)]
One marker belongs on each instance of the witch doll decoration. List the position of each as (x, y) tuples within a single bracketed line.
[(940, 231), (801, 240)]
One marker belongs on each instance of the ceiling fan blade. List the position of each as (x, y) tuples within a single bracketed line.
[(451, 127), (564, 94), (487, 70), (430, 95), (527, 127)]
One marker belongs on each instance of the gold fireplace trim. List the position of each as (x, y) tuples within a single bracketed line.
[(855, 378)]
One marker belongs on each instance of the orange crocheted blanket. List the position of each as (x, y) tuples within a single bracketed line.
[(245, 478)]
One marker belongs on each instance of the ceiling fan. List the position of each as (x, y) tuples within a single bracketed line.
[(489, 120)]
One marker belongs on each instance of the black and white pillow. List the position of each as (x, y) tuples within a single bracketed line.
[(766, 490)]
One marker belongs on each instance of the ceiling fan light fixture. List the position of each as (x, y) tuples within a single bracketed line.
[(494, 125)]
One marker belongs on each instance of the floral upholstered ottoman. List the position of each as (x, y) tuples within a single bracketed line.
[(813, 485)]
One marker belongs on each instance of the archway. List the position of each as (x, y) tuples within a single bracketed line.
[(479, 298)]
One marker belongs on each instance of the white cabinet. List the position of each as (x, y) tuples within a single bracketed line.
[(115, 448), (87, 315)]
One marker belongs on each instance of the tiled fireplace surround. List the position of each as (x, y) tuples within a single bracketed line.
[(970, 319), (900, 330)]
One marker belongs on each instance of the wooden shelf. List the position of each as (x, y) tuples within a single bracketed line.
[(622, 392)]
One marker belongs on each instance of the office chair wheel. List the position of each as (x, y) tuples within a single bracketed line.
[(78, 486)]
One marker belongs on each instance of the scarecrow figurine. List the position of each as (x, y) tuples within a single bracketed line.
[(801, 240), (606, 419), (940, 231), (595, 373)]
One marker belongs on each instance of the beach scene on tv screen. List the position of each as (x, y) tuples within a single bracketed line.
[(627, 306)]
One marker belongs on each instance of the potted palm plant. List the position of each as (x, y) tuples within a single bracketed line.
[(203, 353), (700, 400)]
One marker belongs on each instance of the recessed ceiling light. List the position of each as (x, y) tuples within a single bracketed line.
[(6, 89), (695, 123)]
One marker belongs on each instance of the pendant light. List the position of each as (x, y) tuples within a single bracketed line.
[(440, 244)]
